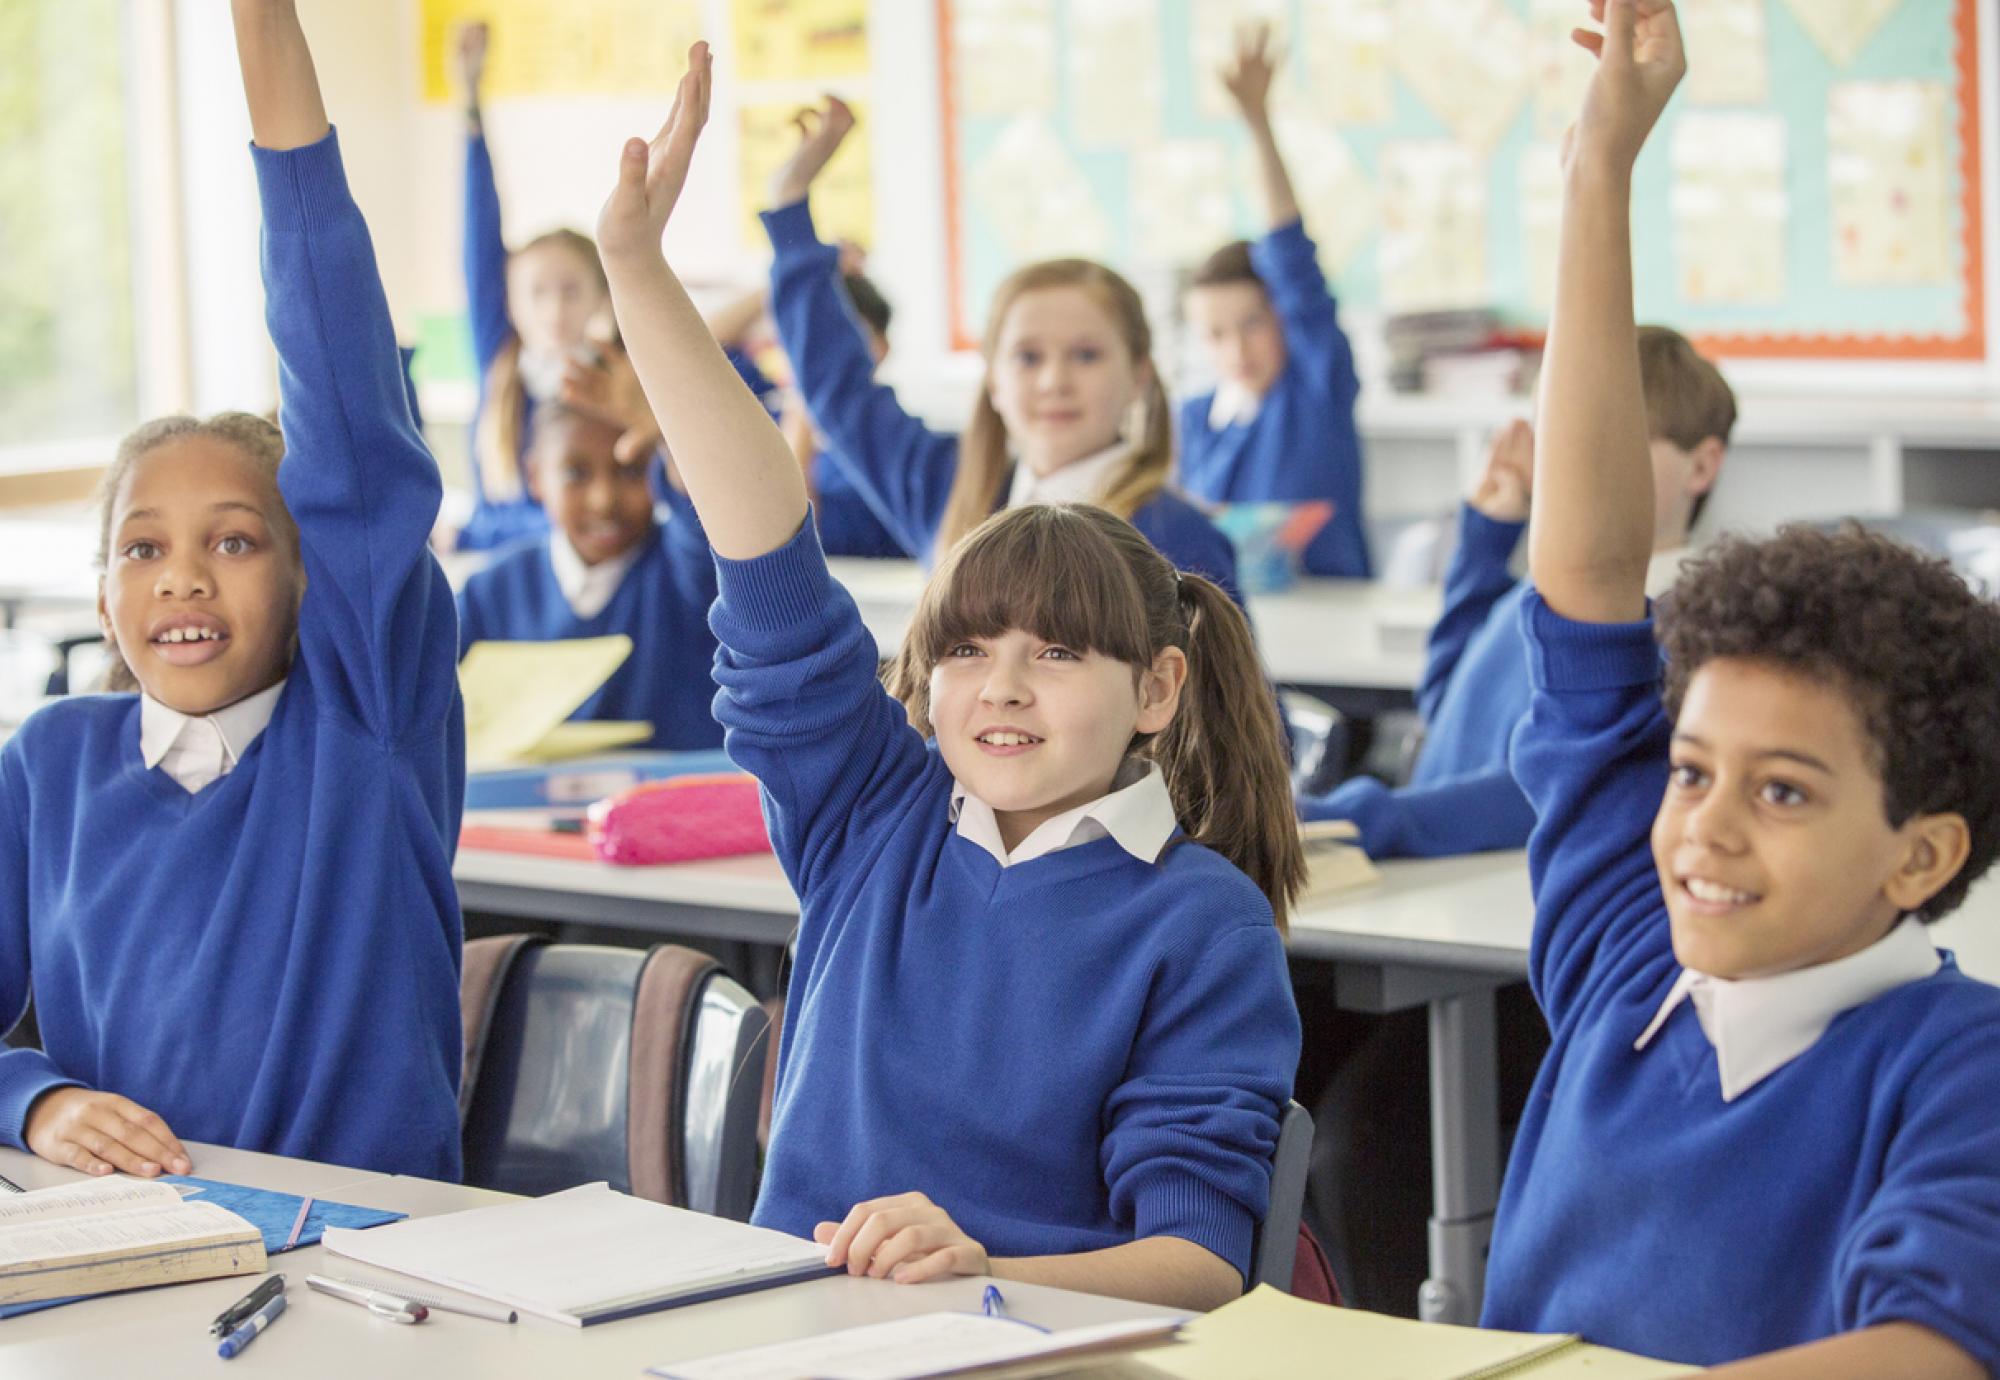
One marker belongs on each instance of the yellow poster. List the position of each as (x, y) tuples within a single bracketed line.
[(1889, 171), (561, 47), (843, 202), (1729, 206), (800, 40), (1432, 251)]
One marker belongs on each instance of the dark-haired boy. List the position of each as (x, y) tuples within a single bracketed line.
[(1765, 1132), (1279, 427)]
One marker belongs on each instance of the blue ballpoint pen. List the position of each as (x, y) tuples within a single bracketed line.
[(991, 1303), (234, 1343)]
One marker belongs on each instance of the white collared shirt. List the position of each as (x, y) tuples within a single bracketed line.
[(587, 588), (1758, 1025), (1080, 481), (196, 749), (1234, 404), (1138, 813), (1663, 569)]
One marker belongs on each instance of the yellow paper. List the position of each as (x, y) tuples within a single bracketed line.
[(1003, 57), (1890, 182), (800, 40), (1029, 188), (517, 693), (1349, 60), (1433, 247), (1116, 83), (1841, 28), (559, 47), (1180, 200), (1729, 206), (1335, 196), (1267, 1335), (843, 200), (1467, 60), (585, 736), (1728, 52)]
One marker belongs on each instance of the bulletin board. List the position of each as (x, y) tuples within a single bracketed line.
[(1812, 191)]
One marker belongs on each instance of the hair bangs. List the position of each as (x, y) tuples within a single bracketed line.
[(1049, 570)]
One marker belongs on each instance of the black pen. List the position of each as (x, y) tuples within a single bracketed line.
[(232, 1317)]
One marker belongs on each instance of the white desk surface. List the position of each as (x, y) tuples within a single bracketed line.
[(163, 1333), (1351, 633)]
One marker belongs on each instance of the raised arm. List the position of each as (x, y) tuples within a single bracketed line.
[(738, 471), (1488, 531), (1591, 533), (1248, 78), (902, 468), (484, 249), (376, 626)]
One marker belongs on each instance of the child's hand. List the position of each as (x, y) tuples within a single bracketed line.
[(1502, 491), (820, 133), (472, 58), (907, 1238), (1639, 62), (650, 176), (610, 387), (1248, 77), (853, 259), (99, 1132)]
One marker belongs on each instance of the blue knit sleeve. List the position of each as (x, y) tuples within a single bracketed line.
[(25, 1074), (377, 628), (1288, 262), (1927, 1249), (903, 467), (801, 708), (485, 257), (1591, 757), (1475, 813), (1477, 580), (690, 563), (1192, 1131)]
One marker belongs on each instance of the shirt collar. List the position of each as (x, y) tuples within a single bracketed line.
[(1664, 568), (1758, 1025), (1080, 481), (1138, 813), (237, 725), (587, 588), (1233, 404)]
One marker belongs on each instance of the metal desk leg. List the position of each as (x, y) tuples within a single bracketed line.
[(1465, 1155)]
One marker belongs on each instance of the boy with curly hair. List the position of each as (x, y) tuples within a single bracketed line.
[(1765, 1132)]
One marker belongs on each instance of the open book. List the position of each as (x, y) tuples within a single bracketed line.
[(586, 1255), (519, 696), (109, 1234), (1334, 860)]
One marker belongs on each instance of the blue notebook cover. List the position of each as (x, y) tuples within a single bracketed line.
[(271, 1213), (582, 780)]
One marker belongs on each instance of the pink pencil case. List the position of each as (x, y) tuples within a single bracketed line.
[(680, 820)]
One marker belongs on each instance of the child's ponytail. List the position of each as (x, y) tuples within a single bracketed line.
[(1223, 755)]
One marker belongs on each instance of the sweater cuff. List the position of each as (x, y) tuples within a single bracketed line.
[(1277, 251), (1567, 656), (25, 1074), (780, 589), (1486, 539), (1180, 1205), (791, 229), (302, 187)]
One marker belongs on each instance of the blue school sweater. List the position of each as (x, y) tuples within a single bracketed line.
[(494, 522), (847, 525), (902, 467), (1461, 798), (661, 604), (936, 994), (1857, 1185), (1302, 443), (272, 962)]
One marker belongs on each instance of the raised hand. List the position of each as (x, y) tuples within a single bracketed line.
[(1640, 60), (820, 135), (1502, 491), (651, 176), (609, 386), (472, 39), (1250, 73)]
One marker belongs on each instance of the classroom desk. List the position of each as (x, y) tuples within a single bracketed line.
[(163, 1333), (1357, 642)]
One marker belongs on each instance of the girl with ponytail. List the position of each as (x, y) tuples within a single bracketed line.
[(1039, 1025), (1071, 408)]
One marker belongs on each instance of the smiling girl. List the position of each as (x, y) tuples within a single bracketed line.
[(231, 891), (1030, 858), (1071, 411)]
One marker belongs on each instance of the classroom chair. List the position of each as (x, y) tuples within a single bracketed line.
[(1319, 742), (1283, 1244), (639, 1067)]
